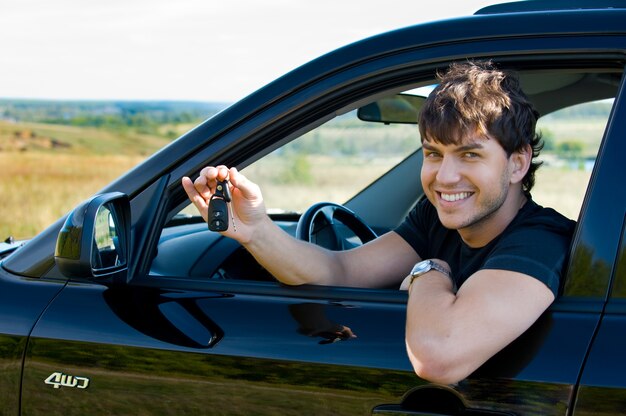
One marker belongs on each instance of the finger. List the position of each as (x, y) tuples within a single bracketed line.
[(202, 187), (222, 173), (248, 189), (194, 196), (210, 175), (206, 171)]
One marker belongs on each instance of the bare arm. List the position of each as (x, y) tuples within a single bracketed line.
[(449, 335), (379, 263)]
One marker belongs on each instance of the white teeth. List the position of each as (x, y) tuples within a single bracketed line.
[(455, 197)]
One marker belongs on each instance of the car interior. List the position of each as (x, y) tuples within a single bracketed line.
[(378, 150)]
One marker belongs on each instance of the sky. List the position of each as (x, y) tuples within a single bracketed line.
[(200, 50)]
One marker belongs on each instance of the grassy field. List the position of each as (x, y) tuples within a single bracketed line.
[(47, 169), (54, 139), (37, 188)]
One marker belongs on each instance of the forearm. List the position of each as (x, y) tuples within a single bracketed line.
[(431, 337), (449, 335), (292, 261)]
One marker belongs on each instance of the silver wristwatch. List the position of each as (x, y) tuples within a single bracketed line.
[(424, 267)]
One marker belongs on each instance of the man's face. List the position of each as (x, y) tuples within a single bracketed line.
[(468, 183)]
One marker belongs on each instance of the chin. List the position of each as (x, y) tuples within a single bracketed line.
[(452, 224)]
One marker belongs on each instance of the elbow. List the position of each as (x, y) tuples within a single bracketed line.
[(431, 363), (435, 372), (437, 375)]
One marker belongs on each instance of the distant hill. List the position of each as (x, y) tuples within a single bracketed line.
[(94, 112), (97, 127)]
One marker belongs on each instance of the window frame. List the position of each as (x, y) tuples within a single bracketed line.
[(265, 131)]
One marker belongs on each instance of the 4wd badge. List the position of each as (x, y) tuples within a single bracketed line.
[(58, 379)]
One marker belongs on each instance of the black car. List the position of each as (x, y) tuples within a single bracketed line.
[(131, 305)]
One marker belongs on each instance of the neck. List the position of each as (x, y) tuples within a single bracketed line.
[(483, 232)]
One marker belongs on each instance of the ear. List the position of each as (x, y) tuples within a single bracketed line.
[(519, 163)]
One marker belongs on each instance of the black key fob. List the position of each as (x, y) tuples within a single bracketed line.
[(222, 190), (218, 214)]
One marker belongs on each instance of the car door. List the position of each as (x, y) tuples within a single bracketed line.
[(153, 351), (168, 344)]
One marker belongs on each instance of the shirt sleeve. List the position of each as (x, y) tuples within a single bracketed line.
[(538, 247)]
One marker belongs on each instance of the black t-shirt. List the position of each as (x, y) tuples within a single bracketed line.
[(535, 243)]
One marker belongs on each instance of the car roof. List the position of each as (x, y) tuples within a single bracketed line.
[(550, 5)]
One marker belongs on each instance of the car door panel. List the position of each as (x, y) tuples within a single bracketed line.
[(264, 356), (199, 352)]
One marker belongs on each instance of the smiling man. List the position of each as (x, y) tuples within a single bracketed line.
[(479, 225), (484, 261)]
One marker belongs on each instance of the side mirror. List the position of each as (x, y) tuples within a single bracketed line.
[(397, 109), (94, 242)]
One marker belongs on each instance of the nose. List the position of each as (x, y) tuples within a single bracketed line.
[(448, 171)]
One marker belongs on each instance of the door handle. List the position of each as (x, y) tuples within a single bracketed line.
[(398, 410), (433, 400)]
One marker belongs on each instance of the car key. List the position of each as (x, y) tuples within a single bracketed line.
[(217, 216), (222, 190)]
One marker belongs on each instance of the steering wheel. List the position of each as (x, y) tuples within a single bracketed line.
[(332, 226)]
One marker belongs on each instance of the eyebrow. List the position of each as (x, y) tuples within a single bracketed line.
[(470, 146), (464, 148)]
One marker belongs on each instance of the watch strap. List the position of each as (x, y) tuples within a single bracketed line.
[(430, 265)]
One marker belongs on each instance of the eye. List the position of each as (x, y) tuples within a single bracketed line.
[(429, 154), (471, 155)]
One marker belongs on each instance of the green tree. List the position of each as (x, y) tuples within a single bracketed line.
[(571, 149), (547, 137)]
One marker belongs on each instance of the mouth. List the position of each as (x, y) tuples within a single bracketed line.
[(454, 197)]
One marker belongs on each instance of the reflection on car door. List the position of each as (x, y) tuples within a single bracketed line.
[(176, 352), (603, 387)]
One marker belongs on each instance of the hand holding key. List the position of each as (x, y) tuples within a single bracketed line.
[(227, 199)]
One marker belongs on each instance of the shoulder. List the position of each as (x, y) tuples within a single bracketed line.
[(534, 218), (536, 243)]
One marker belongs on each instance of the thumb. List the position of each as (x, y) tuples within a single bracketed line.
[(249, 190)]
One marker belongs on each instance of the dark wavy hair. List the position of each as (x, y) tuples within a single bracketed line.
[(478, 97)]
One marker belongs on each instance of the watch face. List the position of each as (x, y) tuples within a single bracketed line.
[(421, 267)]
